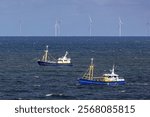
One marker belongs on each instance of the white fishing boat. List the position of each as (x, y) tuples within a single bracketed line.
[(48, 60)]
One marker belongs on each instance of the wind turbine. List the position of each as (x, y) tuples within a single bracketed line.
[(148, 28), (90, 23), (20, 27), (59, 23), (120, 26), (57, 28)]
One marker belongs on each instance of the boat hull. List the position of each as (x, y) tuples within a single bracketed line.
[(93, 82), (42, 63)]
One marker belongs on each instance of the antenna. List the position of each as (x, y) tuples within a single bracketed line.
[(120, 27), (90, 23)]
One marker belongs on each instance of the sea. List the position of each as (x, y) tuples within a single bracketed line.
[(21, 78)]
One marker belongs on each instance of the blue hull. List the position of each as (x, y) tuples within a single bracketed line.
[(42, 63), (92, 82)]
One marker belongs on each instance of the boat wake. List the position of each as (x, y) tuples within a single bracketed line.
[(139, 84)]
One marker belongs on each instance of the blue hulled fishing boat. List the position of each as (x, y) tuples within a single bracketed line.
[(105, 79), (48, 60)]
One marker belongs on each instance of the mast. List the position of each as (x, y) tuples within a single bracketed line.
[(89, 74), (112, 71), (45, 56), (65, 54), (91, 69)]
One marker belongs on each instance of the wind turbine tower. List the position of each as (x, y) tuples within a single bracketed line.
[(90, 23), (148, 28), (57, 28), (120, 27), (20, 28)]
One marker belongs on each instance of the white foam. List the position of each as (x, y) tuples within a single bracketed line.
[(48, 95), (36, 77)]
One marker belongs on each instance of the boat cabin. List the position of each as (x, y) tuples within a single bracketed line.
[(64, 59)]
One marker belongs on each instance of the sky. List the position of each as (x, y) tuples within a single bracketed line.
[(38, 17)]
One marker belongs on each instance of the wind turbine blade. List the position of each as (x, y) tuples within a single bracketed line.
[(120, 21), (90, 19)]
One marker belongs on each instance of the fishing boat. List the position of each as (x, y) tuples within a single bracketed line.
[(106, 79), (48, 60)]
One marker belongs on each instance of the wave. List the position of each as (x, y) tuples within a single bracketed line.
[(59, 96), (36, 85), (36, 76), (50, 94)]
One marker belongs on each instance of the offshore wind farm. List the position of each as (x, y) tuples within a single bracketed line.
[(75, 18)]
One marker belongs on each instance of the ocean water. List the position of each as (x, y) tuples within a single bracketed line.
[(22, 78)]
